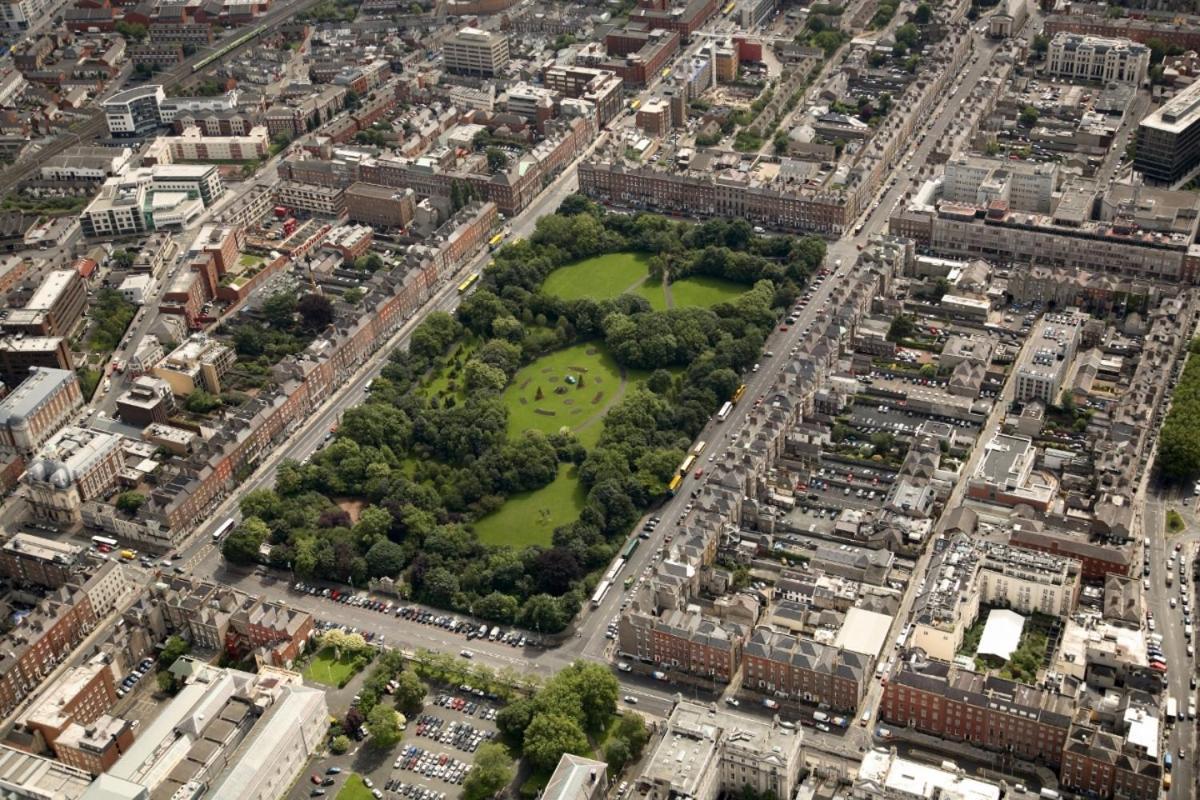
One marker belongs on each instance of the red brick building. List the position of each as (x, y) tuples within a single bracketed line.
[(81, 695), (96, 746), (278, 633), (984, 710), (775, 664), (684, 18), (39, 642), (1099, 764), (1097, 560)]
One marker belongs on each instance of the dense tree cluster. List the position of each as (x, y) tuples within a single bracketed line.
[(111, 314), (578, 701), (422, 467), (1179, 444)]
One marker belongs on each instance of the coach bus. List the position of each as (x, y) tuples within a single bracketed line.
[(600, 593), (723, 414), (225, 528)]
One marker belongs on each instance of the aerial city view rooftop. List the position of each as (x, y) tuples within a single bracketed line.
[(599, 399)]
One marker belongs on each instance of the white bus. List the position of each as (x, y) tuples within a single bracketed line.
[(225, 528), (601, 593), (104, 540), (1172, 709), (724, 412), (699, 448)]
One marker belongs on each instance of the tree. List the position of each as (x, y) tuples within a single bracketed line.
[(1029, 116), (828, 41), (497, 159), (371, 262), (122, 259), (339, 745), (902, 327), (410, 692), (1041, 43), (633, 731), (908, 35), (597, 689), (202, 402), (493, 770), (171, 652), (549, 736), (383, 724), (353, 296), (542, 613), (242, 545), (166, 682), (280, 310), (616, 753), (1158, 49), (316, 312), (386, 558), (132, 30), (483, 378), (130, 502), (923, 14), (514, 719)]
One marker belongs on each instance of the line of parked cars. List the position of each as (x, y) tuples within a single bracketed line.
[(132, 678), (432, 765), (413, 792), (460, 735), (468, 707), (445, 621)]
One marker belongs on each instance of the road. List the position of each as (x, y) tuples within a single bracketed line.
[(1180, 738)]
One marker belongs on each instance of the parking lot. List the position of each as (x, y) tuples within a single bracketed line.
[(387, 609)]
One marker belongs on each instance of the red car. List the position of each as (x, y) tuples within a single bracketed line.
[(783, 327), (316, 779)]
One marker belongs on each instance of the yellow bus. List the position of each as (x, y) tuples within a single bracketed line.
[(673, 486), (666, 71), (741, 390), (729, 8), (687, 464), (699, 448), (495, 241), (468, 283)]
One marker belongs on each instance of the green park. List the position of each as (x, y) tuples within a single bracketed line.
[(504, 456)]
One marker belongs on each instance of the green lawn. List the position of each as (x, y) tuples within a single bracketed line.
[(598, 278), (563, 403), (703, 291), (531, 517), (324, 669), (610, 275), (654, 293), (439, 383), (355, 789)]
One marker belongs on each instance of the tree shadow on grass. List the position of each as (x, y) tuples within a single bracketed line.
[(370, 758)]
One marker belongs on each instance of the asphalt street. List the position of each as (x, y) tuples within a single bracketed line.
[(1180, 738)]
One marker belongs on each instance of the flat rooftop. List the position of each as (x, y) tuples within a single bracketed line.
[(1178, 113), (35, 390), (30, 546), (1004, 453)]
